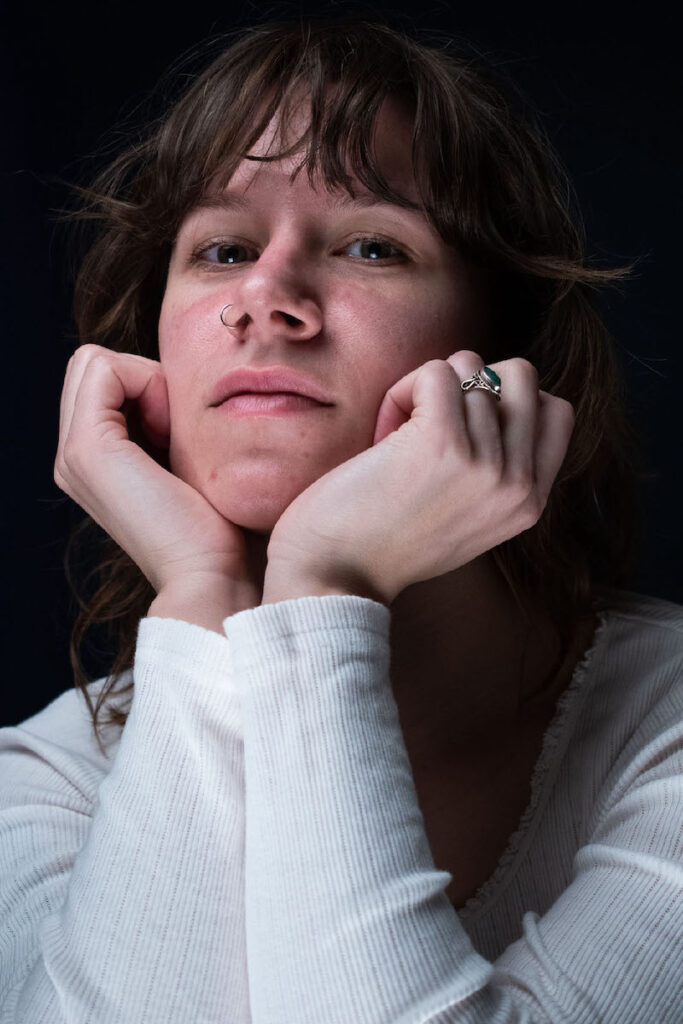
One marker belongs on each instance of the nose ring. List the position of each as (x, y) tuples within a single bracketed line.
[(233, 327)]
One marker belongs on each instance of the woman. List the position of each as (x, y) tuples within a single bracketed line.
[(391, 746)]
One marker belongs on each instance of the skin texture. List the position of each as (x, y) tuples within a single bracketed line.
[(316, 303)]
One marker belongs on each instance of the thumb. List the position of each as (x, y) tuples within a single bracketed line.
[(155, 418), (397, 406), (389, 418)]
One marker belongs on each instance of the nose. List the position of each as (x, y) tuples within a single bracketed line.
[(275, 301)]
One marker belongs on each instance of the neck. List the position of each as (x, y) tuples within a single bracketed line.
[(466, 663)]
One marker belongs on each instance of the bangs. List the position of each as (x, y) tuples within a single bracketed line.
[(230, 108), (336, 147)]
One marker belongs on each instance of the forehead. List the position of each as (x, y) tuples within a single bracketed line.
[(390, 146)]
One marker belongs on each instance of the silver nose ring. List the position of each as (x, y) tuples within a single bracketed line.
[(233, 327)]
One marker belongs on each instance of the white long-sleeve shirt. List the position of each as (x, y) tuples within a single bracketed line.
[(251, 848)]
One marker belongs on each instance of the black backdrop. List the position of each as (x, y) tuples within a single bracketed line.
[(608, 90)]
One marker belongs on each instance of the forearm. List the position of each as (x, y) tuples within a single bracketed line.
[(341, 887), (132, 902)]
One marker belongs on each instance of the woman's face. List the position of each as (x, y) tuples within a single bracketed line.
[(350, 294)]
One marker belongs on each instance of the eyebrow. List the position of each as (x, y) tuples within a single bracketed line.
[(234, 201)]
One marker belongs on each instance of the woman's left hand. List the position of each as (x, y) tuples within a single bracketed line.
[(450, 475)]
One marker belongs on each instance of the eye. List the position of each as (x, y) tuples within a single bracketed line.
[(226, 252), (376, 249), (221, 253)]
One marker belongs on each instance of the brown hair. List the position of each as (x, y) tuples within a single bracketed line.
[(490, 184)]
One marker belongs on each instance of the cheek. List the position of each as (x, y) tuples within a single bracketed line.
[(382, 335), (445, 326), (189, 326), (189, 338), (431, 321), (407, 338)]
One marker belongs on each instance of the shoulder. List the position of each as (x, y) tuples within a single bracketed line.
[(57, 747), (625, 703), (649, 612), (639, 647), (631, 719)]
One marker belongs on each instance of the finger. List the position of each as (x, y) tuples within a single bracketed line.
[(155, 418), (76, 368), (432, 392), (105, 385), (480, 410), (389, 417), (556, 420), (519, 414)]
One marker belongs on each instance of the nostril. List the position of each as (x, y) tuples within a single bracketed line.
[(291, 321)]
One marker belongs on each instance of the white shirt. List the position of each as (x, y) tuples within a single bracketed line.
[(251, 848)]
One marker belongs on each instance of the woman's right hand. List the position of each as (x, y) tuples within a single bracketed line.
[(174, 535)]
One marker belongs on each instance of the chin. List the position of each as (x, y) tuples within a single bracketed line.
[(259, 515), (255, 499)]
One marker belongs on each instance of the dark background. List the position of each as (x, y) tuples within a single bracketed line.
[(608, 92)]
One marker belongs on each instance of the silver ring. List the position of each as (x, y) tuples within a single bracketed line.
[(233, 327), (485, 379)]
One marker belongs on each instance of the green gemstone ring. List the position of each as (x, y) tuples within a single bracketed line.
[(485, 379)]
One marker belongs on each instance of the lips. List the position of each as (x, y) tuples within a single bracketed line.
[(272, 380)]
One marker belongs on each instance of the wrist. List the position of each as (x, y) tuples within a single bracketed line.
[(204, 602), (285, 583)]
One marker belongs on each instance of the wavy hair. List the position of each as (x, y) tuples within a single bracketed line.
[(489, 182)]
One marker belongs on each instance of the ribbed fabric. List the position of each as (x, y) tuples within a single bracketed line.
[(122, 880), (131, 890)]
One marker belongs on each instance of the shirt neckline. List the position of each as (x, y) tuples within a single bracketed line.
[(554, 743)]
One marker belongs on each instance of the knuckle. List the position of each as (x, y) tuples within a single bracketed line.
[(490, 474), (96, 359), (462, 361), (100, 358), (438, 366), (524, 371), (532, 510), (86, 351), (525, 365), (567, 410), (523, 500), (522, 485), (59, 476), (71, 457), (431, 366)]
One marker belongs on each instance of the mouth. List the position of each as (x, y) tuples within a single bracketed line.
[(269, 403), (274, 380)]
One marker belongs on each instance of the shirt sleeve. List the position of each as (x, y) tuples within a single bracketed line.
[(346, 916), (122, 897)]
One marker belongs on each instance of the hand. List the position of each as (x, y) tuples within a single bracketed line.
[(170, 531), (450, 476)]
